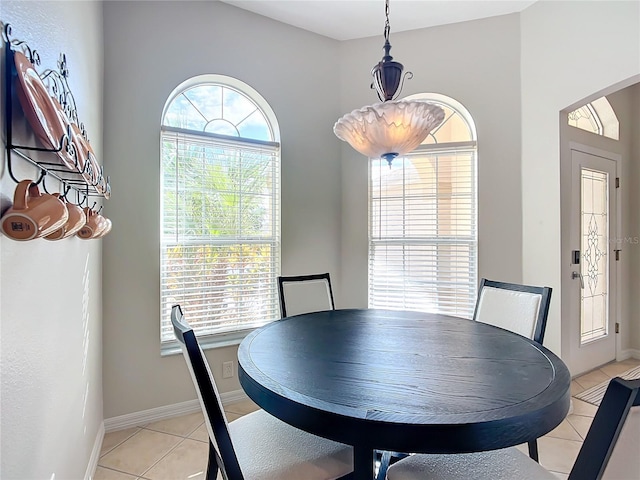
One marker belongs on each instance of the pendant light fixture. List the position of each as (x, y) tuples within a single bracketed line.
[(392, 127)]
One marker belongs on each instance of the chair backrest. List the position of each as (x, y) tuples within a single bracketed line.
[(221, 449), (305, 293), (522, 309), (611, 449)]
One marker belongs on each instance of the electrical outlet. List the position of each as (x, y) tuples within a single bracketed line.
[(227, 370)]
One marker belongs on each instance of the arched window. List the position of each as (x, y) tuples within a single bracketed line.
[(596, 117), (423, 245), (220, 209)]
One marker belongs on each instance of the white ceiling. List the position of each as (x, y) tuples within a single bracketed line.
[(349, 19)]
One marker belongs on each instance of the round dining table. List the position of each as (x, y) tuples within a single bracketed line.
[(404, 381)]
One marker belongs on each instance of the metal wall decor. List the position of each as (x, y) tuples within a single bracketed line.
[(50, 108)]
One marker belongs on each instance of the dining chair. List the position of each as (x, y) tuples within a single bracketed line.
[(256, 446), (313, 293), (610, 450), (305, 293), (521, 309)]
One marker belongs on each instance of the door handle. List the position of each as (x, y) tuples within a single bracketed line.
[(575, 275)]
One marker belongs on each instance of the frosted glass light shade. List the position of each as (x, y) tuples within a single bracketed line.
[(388, 129)]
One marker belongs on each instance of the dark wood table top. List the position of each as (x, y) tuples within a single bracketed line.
[(404, 381)]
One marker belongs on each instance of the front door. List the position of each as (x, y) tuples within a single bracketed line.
[(593, 261)]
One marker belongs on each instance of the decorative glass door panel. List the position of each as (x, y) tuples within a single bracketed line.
[(594, 299), (589, 270)]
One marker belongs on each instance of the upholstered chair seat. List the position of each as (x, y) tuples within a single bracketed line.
[(506, 464), (269, 449), (610, 451), (256, 446)]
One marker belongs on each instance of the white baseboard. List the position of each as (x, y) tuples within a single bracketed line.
[(167, 411), (95, 453), (233, 397), (628, 353)]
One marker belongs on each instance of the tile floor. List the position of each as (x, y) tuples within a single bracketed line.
[(176, 448)]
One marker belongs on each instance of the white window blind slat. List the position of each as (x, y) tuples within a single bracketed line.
[(422, 231), (220, 232)]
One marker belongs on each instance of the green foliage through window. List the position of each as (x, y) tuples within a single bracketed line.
[(220, 228)]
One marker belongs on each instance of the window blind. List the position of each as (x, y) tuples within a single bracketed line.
[(422, 231), (220, 232)]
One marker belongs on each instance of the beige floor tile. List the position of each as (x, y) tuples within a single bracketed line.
[(137, 454), (583, 408), (576, 388), (113, 439), (200, 434), (565, 430), (242, 408), (556, 454), (524, 448), (233, 416), (562, 476), (188, 461), (615, 369), (182, 425), (580, 423), (632, 362), (108, 474), (592, 379)]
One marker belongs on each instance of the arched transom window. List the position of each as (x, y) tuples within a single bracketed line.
[(220, 208), (596, 117), (423, 221)]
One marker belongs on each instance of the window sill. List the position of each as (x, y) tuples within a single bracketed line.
[(207, 342)]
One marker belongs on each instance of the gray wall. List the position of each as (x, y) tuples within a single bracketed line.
[(150, 48), (476, 63), (561, 64), (50, 292), (634, 223), (628, 115)]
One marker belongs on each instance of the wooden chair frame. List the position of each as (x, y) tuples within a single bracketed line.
[(302, 278), (540, 324), (225, 459), (605, 429)]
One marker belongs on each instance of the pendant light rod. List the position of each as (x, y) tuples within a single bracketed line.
[(387, 27), (387, 45), (392, 127), (387, 74)]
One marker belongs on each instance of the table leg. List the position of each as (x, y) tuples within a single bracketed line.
[(363, 461)]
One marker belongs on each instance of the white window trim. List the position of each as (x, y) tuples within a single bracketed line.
[(435, 148), (206, 342), (234, 337)]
